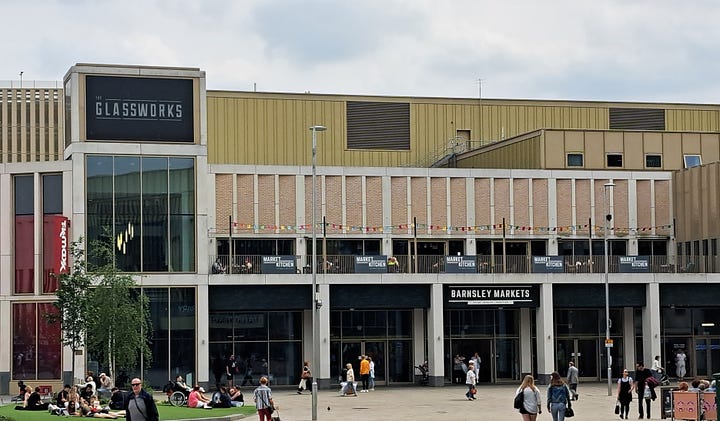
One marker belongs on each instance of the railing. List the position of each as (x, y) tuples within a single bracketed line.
[(345, 264)]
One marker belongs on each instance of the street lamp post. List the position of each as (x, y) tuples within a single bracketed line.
[(608, 218), (316, 303)]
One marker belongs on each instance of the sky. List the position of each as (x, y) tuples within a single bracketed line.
[(614, 50)]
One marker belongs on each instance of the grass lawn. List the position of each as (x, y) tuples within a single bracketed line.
[(167, 412)]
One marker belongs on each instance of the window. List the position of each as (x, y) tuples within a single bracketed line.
[(692, 161), (653, 161), (148, 205), (614, 160), (575, 160)]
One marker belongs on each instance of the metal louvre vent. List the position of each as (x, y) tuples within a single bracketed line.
[(637, 119), (378, 125)]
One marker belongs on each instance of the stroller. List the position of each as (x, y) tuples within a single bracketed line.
[(424, 374)]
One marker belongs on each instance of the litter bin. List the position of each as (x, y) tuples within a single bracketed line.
[(666, 401)]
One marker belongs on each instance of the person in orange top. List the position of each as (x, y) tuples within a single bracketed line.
[(365, 373)]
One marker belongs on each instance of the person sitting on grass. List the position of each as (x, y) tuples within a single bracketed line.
[(196, 399), (33, 402), (236, 397)]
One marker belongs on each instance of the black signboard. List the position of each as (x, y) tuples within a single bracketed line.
[(278, 264), (370, 264), (466, 296), (460, 264), (634, 264), (139, 109), (548, 264)]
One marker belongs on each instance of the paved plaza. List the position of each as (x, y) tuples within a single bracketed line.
[(441, 403)]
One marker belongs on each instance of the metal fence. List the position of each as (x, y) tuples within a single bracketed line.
[(345, 264)]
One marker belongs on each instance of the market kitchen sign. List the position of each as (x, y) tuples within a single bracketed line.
[(464, 296)]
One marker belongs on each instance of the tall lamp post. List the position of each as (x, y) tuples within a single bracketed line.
[(316, 303), (608, 218)]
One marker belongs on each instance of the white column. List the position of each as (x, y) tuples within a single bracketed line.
[(418, 346), (526, 345), (545, 334), (628, 333), (651, 324), (324, 337), (435, 336), (202, 313)]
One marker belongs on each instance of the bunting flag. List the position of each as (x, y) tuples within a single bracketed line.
[(440, 229)]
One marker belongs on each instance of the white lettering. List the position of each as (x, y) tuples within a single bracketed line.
[(64, 247)]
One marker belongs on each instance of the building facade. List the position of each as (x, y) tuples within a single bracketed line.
[(444, 227)]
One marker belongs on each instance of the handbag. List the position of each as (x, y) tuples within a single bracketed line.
[(617, 407), (519, 400), (276, 416), (569, 411)]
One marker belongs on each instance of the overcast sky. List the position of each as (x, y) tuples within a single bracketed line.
[(654, 50)]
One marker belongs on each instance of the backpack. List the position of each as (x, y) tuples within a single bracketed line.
[(652, 382), (519, 400)]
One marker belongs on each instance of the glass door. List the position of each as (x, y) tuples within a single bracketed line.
[(583, 352), (506, 359), (350, 352), (707, 356)]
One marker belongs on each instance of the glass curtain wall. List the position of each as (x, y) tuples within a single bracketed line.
[(36, 345), (264, 344), (146, 208)]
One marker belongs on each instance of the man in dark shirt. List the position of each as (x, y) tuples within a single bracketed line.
[(641, 375), (34, 402)]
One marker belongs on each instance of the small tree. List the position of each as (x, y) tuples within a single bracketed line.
[(119, 330), (73, 302)]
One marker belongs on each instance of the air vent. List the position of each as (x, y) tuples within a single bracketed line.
[(637, 119), (378, 125)]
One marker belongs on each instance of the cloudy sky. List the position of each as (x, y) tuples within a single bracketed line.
[(644, 50)]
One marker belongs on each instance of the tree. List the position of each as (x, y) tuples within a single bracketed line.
[(73, 302), (102, 309), (119, 331)]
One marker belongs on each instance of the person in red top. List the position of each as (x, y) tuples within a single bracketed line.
[(365, 373), (196, 399)]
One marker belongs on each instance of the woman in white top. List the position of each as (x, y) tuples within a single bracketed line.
[(531, 399), (470, 380)]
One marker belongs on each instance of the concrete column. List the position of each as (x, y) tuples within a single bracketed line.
[(545, 334), (324, 313), (526, 345), (419, 338), (651, 324), (202, 313), (435, 336), (628, 332)]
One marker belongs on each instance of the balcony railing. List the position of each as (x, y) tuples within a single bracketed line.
[(345, 264)]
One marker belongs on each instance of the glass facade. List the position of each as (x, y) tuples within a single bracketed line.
[(24, 234), (146, 206), (264, 344), (383, 335), (36, 346), (487, 332)]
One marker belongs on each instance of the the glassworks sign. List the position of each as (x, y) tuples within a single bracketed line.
[(465, 296), (139, 109)]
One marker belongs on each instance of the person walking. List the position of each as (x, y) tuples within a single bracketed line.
[(263, 400), (305, 376), (572, 380), (558, 397), (680, 359), (470, 381), (139, 404), (531, 399), (624, 393), (372, 373), (641, 376)]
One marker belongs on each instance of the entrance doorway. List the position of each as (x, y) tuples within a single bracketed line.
[(349, 352), (498, 359), (707, 356), (583, 352)]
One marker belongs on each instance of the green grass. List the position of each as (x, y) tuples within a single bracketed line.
[(167, 412)]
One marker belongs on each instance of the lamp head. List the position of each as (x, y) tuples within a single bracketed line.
[(318, 128)]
